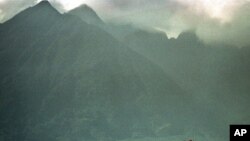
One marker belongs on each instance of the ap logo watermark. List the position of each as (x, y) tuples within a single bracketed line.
[(239, 132)]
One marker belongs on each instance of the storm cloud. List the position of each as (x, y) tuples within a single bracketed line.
[(214, 21)]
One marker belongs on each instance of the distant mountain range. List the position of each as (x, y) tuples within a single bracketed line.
[(74, 77)]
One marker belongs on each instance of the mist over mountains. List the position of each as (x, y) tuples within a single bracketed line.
[(73, 77)]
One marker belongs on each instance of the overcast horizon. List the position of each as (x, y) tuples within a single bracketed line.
[(214, 21)]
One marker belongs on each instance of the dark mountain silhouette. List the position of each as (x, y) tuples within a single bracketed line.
[(68, 77), (189, 38), (87, 14), (64, 79), (119, 31)]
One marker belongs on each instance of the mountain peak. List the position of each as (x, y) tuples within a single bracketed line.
[(44, 7), (84, 6), (44, 3), (189, 37), (87, 14), (42, 11)]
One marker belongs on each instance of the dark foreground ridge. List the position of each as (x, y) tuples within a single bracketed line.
[(63, 79)]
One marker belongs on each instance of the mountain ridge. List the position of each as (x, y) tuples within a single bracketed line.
[(64, 79), (87, 14)]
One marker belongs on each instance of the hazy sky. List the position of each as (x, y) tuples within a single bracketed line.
[(224, 21)]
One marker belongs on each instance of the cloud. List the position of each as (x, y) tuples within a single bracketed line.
[(9, 8), (218, 9), (235, 32), (214, 21), (66, 5)]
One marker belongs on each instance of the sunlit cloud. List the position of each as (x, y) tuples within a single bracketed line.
[(222, 10), (71, 4)]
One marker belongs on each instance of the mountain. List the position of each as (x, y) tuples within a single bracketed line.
[(147, 39), (217, 76), (64, 79), (87, 14)]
